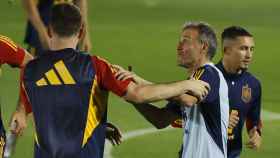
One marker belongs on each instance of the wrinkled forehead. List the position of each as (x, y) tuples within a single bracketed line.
[(191, 33)]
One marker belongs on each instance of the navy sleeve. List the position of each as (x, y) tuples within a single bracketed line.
[(253, 116), (211, 76), (174, 107)]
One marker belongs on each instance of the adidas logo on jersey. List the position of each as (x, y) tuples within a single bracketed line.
[(58, 75)]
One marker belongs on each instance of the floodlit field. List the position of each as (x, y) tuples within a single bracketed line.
[(144, 34)]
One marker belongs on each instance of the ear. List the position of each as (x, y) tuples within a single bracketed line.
[(205, 47), (81, 32), (226, 50)]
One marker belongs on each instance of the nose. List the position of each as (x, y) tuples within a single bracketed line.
[(179, 46), (249, 54)]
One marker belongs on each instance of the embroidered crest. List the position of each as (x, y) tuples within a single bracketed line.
[(246, 94)]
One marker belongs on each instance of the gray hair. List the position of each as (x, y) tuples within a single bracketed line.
[(206, 35)]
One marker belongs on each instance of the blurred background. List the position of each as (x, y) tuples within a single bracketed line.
[(144, 34)]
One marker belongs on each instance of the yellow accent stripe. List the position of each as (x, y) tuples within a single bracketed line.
[(62, 1), (179, 121), (92, 120), (36, 139), (200, 74), (52, 77), (64, 73), (9, 41), (194, 74), (11, 45), (41, 82)]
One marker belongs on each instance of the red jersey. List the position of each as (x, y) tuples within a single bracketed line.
[(10, 53)]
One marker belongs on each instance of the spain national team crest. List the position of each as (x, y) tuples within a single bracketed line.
[(246, 93)]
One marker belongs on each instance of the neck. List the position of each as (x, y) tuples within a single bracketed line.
[(199, 64), (229, 68), (58, 43)]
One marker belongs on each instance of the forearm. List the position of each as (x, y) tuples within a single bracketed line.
[(151, 93), (184, 99), (141, 81), (20, 107), (250, 125), (159, 117), (83, 5)]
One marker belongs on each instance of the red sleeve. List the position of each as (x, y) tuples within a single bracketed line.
[(106, 79), (10, 53), (23, 95)]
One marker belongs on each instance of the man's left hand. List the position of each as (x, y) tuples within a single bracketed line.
[(255, 140), (18, 122)]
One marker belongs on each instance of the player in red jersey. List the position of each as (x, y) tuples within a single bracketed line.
[(12, 54), (15, 56)]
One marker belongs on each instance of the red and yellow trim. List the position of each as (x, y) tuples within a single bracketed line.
[(9, 42)]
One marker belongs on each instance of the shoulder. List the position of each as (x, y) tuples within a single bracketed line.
[(252, 79), (6, 41), (206, 72), (99, 59), (101, 63), (9, 47)]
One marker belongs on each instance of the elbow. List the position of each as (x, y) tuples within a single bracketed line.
[(188, 101), (140, 100), (135, 99), (188, 104)]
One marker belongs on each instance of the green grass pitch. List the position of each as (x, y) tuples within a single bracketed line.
[(144, 34)]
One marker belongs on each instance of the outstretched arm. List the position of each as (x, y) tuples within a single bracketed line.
[(196, 90), (159, 117), (85, 44), (151, 93), (254, 122)]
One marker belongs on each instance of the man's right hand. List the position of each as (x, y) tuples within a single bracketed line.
[(198, 89)]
